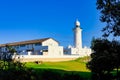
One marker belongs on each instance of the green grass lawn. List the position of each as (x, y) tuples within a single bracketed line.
[(66, 65), (75, 66)]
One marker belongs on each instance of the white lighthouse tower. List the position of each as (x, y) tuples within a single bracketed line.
[(77, 49), (77, 35)]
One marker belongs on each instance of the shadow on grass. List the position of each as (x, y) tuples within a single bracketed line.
[(55, 74)]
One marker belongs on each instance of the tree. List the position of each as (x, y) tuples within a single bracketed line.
[(105, 58), (116, 55), (110, 14), (101, 63), (14, 70), (106, 54)]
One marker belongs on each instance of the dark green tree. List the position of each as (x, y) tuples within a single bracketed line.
[(106, 54), (101, 63), (110, 14), (6, 57), (14, 70), (105, 58), (115, 49)]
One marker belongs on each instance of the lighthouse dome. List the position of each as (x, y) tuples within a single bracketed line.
[(77, 23)]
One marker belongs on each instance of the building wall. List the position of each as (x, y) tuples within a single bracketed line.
[(80, 52), (53, 47), (86, 52), (49, 47), (50, 42), (55, 50), (32, 58)]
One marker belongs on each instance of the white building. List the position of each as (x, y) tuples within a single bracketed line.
[(77, 48), (48, 49), (45, 47)]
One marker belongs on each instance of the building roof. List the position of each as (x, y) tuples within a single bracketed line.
[(25, 42)]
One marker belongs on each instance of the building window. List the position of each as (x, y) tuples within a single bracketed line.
[(37, 44), (28, 45), (16, 47), (23, 45), (45, 50)]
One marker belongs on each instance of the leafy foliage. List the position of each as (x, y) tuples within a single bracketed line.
[(56, 74), (105, 58), (110, 14), (14, 70)]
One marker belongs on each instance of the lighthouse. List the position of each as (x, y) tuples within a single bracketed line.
[(77, 49), (77, 35)]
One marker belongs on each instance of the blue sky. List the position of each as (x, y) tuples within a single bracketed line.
[(33, 19)]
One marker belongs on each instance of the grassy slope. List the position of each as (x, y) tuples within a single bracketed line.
[(76, 65)]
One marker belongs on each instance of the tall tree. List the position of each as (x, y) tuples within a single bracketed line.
[(101, 63), (110, 14), (105, 58), (115, 50)]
